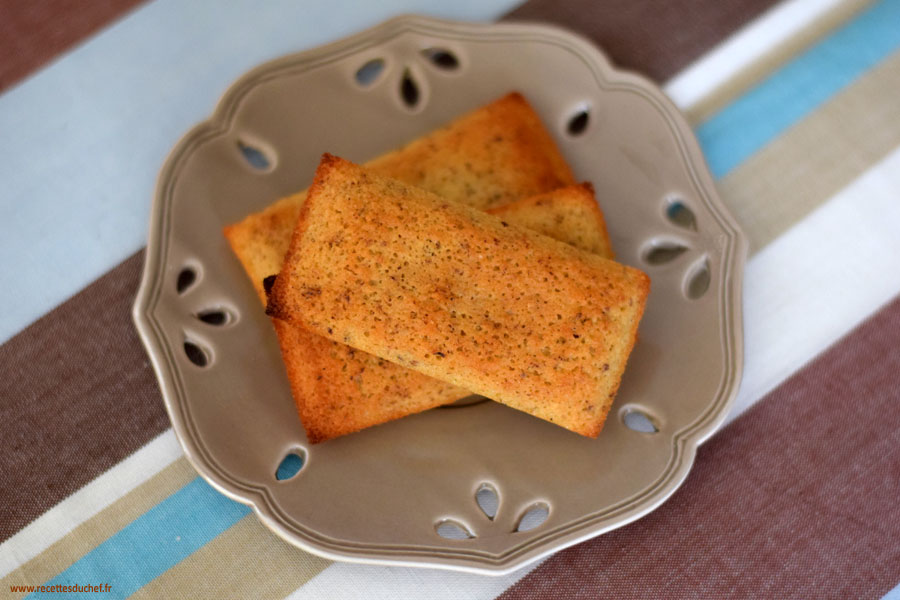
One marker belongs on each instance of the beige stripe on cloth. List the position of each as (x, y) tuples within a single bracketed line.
[(246, 561), (794, 174)]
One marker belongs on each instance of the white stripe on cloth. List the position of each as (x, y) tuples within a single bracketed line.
[(752, 42), (820, 279), (57, 522), (85, 137), (343, 581)]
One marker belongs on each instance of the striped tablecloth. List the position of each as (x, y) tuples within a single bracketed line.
[(797, 106)]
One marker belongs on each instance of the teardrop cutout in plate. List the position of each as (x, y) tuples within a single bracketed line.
[(660, 253), (451, 530), (290, 465), (409, 90), (488, 500), (698, 280), (254, 157), (196, 353), (441, 58), (578, 122), (533, 517), (369, 72), (679, 214)]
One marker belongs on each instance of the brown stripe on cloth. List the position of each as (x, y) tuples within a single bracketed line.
[(655, 38), (78, 394), (33, 32), (796, 499)]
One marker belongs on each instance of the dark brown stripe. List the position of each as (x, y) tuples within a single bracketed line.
[(78, 395), (796, 499), (655, 38), (33, 32)]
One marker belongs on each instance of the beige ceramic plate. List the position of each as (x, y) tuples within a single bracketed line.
[(405, 493)]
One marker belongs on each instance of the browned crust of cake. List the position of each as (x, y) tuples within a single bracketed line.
[(402, 274)]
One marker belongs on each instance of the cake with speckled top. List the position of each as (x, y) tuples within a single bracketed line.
[(460, 295), (340, 390)]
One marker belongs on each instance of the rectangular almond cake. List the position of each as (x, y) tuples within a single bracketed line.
[(340, 390), (460, 295)]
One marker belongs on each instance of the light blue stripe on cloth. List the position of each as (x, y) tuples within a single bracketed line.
[(793, 91), (894, 594), (196, 514), (154, 542)]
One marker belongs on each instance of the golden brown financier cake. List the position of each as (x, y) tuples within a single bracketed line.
[(460, 295), (487, 158), (340, 390)]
